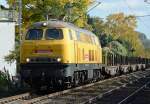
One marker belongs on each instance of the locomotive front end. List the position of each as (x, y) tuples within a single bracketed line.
[(42, 56), (59, 54)]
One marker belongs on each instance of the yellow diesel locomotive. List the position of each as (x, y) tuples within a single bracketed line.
[(55, 53)]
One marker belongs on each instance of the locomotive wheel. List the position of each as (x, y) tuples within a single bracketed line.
[(82, 78), (76, 79)]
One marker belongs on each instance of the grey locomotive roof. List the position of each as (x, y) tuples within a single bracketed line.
[(60, 24)]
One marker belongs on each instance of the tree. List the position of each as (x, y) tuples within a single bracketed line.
[(117, 47), (69, 10), (105, 39), (98, 25), (123, 27), (118, 24)]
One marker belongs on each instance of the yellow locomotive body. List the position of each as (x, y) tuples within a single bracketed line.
[(75, 46), (59, 52)]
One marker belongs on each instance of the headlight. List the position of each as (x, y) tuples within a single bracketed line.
[(27, 59), (58, 59), (44, 24)]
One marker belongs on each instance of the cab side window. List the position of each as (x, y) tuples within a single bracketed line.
[(70, 34), (78, 35)]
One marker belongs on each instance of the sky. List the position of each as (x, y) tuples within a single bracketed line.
[(134, 7), (129, 7)]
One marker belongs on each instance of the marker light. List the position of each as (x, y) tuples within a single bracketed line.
[(27, 60), (58, 59)]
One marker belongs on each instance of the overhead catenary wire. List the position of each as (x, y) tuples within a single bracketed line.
[(98, 3), (148, 15), (138, 17)]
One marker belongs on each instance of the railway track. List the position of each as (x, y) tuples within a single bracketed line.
[(80, 95), (137, 92), (14, 98)]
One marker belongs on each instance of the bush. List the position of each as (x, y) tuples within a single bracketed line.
[(4, 80)]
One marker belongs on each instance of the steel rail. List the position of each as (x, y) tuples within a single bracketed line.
[(13, 98), (132, 94)]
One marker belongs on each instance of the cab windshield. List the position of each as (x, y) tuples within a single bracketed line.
[(54, 34), (34, 34)]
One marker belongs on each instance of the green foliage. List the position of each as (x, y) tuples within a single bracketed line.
[(68, 10), (105, 39), (118, 48), (147, 52), (123, 28), (98, 27), (97, 24), (125, 43), (13, 56), (4, 79)]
